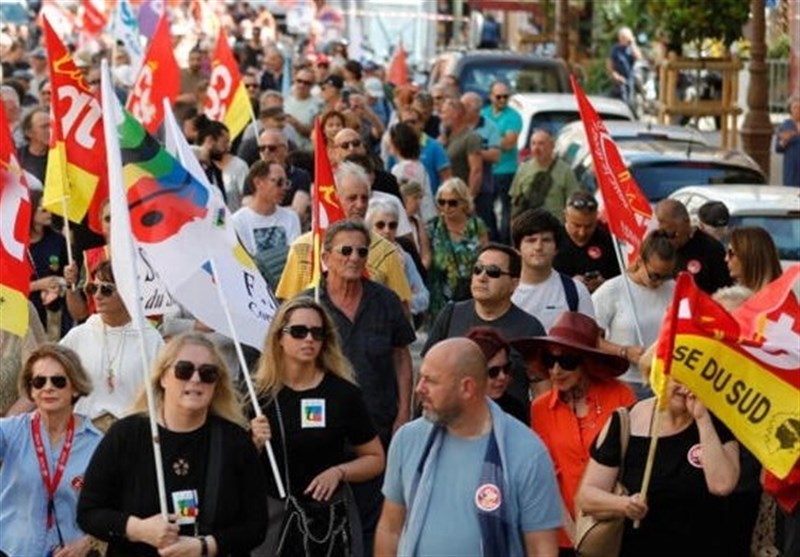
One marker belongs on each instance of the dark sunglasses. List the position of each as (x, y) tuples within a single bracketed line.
[(380, 225), (494, 371), (449, 202), (583, 204), (280, 182), (57, 381), (347, 251), (304, 82), (354, 144), (492, 271), (500, 97), (568, 362), (300, 332), (270, 148), (105, 288), (184, 370)]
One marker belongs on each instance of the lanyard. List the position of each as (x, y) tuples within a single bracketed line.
[(51, 484)]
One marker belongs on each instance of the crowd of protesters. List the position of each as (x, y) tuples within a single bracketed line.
[(457, 239)]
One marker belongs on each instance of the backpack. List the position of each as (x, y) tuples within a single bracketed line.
[(570, 291), (534, 194)]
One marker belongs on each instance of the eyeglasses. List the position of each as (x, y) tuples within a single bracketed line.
[(251, 85), (105, 288), (354, 144), (492, 271), (669, 235), (581, 203), (347, 251), (304, 82), (300, 332), (184, 370), (567, 362), (441, 202), (270, 148), (57, 381), (494, 371), (380, 225), (501, 97), (280, 182), (730, 253)]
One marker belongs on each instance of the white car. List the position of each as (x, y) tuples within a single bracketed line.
[(775, 208), (553, 111)]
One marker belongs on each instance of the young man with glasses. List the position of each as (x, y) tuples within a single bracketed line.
[(302, 107), (274, 148), (585, 252)]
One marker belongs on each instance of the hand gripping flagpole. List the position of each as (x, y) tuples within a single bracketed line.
[(247, 379)]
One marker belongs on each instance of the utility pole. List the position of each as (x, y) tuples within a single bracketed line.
[(757, 128)]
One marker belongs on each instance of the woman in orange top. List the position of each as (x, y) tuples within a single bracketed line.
[(583, 394)]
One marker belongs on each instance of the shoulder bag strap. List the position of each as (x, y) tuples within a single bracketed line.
[(624, 436)]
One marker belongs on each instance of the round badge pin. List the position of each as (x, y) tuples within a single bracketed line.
[(488, 498), (594, 252), (695, 456), (694, 266)]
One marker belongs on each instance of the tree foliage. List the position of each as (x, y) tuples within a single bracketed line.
[(689, 21)]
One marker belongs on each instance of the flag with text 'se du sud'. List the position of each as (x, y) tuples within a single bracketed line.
[(227, 100), (629, 212), (325, 207), (752, 384), (126, 29), (158, 79), (180, 225), (76, 162), (15, 222)]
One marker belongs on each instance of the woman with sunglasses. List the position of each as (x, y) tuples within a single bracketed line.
[(214, 482), (650, 283), (752, 257), (584, 393), (320, 429), (108, 345), (44, 455), (497, 351), (456, 236)]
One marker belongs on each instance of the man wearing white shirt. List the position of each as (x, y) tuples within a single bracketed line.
[(542, 291)]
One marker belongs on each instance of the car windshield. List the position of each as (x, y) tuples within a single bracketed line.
[(659, 180), (785, 232), (478, 76), (554, 120)]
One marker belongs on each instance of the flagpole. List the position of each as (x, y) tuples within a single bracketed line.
[(67, 233), (247, 379), (651, 455), (622, 267)]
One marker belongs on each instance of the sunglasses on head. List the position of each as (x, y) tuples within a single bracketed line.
[(492, 271), (184, 370), (449, 202), (567, 362), (583, 204), (105, 288), (494, 371), (380, 225), (354, 144), (300, 332), (347, 251), (57, 381)]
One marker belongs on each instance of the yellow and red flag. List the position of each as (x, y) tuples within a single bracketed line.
[(15, 208), (158, 79), (227, 100), (325, 207), (749, 381), (628, 210), (76, 182)]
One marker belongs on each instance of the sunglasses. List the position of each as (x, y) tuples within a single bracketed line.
[(354, 144), (449, 202), (270, 148), (501, 97), (301, 332), (105, 288), (184, 370), (567, 362), (280, 182), (57, 381), (380, 225), (583, 204), (304, 82), (494, 371), (492, 271), (347, 251)]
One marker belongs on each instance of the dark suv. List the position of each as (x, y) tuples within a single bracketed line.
[(476, 70)]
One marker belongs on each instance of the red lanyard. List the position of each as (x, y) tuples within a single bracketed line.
[(51, 485)]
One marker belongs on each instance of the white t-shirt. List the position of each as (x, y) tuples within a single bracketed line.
[(547, 300), (304, 110), (414, 171), (259, 232), (615, 314)]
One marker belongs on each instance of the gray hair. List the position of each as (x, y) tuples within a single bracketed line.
[(351, 169), (343, 226), (379, 207)]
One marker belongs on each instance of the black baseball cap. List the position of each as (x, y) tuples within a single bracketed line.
[(714, 213)]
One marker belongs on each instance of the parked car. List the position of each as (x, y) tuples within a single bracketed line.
[(476, 70), (552, 111), (775, 208)]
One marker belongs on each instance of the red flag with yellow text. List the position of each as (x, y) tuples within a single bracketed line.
[(76, 163), (628, 210), (15, 209), (158, 79), (227, 100)]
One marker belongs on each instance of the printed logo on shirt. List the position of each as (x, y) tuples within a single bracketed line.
[(312, 412), (186, 505), (77, 482), (695, 456), (694, 266), (488, 498), (594, 252)]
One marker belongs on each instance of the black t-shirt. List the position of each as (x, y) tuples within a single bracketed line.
[(320, 424), (299, 179), (35, 164), (596, 255), (704, 257)]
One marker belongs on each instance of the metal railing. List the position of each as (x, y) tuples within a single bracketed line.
[(778, 84)]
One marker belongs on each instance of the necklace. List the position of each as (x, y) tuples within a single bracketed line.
[(109, 361)]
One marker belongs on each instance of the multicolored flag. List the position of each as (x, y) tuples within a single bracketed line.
[(750, 383), (227, 100), (125, 27), (628, 210), (15, 222), (158, 79), (76, 178)]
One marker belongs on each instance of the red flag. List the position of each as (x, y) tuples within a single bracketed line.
[(15, 208), (227, 100), (76, 163), (325, 207), (629, 212), (94, 17), (158, 79), (398, 69)]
